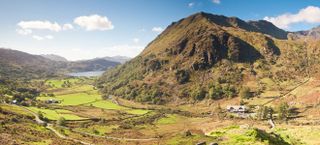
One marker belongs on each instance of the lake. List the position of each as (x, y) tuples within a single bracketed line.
[(86, 74)]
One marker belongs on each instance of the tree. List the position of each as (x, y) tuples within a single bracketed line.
[(182, 76), (199, 94), (61, 121), (40, 115), (283, 111), (215, 92), (219, 111), (262, 112), (245, 93)]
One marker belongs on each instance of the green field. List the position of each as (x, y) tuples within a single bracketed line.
[(169, 119), (15, 109), (105, 104), (82, 93), (57, 83), (137, 111), (56, 114), (98, 129), (78, 98)]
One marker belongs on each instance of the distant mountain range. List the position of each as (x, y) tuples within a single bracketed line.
[(313, 33), (207, 56), (120, 59), (19, 64)]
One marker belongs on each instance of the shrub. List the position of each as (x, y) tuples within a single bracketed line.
[(182, 76), (61, 121), (283, 111), (199, 94), (215, 92), (244, 93)]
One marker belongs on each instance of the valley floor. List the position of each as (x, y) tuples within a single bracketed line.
[(77, 114)]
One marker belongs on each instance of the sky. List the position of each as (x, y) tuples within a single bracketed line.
[(85, 29)]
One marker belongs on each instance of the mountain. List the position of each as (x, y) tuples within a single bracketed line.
[(17, 64), (207, 56), (54, 57), (91, 65), (313, 33), (120, 59)]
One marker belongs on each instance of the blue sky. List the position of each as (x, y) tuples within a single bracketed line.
[(125, 27)]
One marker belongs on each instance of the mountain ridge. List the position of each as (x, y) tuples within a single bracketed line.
[(18, 64), (201, 54)]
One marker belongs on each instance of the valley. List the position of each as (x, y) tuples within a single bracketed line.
[(74, 111), (204, 79)]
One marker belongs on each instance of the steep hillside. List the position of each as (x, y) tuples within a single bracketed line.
[(210, 56)]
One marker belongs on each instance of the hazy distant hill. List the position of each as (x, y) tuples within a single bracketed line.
[(212, 56), (54, 57), (120, 59), (91, 65), (313, 33), (17, 64)]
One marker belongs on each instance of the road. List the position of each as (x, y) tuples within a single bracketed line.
[(50, 127)]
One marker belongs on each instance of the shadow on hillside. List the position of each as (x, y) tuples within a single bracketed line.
[(247, 53)]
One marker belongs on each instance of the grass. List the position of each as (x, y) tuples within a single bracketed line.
[(238, 136), (47, 98), (44, 142), (14, 109), (169, 119), (137, 111), (106, 104), (300, 134), (79, 88), (78, 98), (57, 83), (56, 114), (98, 129), (190, 140)]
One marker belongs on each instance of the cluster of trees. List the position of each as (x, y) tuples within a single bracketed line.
[(214, 92), (66, 84), (283, 111), (19, 90)]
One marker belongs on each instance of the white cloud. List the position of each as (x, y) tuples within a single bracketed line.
[(24, 31), (40, 25), (67, 27), (136, 40), (94, 22), (157, 29), (49, 37), (37, 37), (216, 1), (190, 5), (310, 14)]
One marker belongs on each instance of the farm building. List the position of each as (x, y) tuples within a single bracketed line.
[(237, 109), (52, 101)]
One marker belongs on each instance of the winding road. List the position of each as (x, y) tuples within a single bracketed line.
[(50, 127)]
